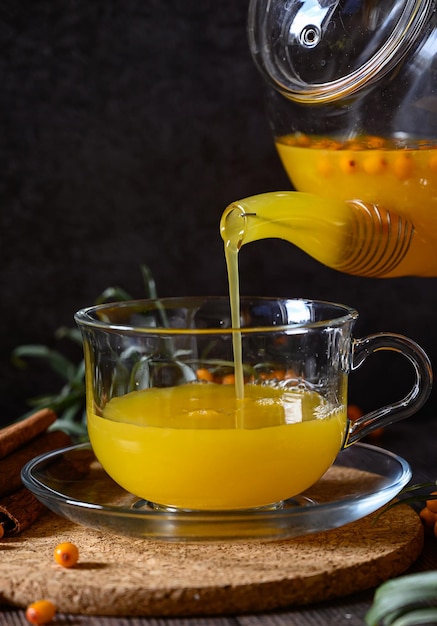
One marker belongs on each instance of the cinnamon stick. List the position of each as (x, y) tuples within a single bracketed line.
[(19, 433), (18, 511), (11, 465)]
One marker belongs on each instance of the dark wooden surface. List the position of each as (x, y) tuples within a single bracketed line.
[(415, 440)]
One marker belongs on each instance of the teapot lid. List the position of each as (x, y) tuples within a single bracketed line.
[(317, 51)]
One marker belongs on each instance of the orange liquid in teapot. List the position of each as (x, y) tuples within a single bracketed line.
[(398, 178)]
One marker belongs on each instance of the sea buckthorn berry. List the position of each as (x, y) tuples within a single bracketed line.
[(355, 144), (403, 166), (433, 163), (374, 163), (348, 164), (271, 375), (204, 374), (432, 503), (374, 141), (428, 519), (228, 379), (376, 435), (2, 531), (278, 375), (66, 554), (290, 374), (324, 166), (41, 612), (354, 412), (302, 140), (325, 143)]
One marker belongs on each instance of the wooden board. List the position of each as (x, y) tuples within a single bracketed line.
[(131, 577)]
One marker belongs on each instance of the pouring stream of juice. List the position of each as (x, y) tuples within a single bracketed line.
[(231, 239)]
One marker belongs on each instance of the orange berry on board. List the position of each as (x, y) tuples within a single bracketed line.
[(66, 554), (41, 612), (2, 530), (432, 504)]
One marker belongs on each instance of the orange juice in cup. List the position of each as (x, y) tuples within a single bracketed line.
[(182, 445)]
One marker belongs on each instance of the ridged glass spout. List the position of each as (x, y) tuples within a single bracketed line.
[(353, 237)]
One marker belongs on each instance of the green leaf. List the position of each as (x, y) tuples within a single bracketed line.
[(74, 334), (58, 362), (417, 617), (78, 379), (43, 401), (31, 350), (58, 403), (71, 410), (418, 486), (149, 282), (113, 294), (416, 498), (394, 597), (76, 430)]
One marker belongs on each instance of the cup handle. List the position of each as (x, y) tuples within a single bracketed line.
[(412, 402)]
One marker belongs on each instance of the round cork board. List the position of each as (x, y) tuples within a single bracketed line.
[(132, 577)]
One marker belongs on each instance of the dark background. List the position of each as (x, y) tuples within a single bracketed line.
[(126, 128)]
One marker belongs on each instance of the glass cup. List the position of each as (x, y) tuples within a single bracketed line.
[(169, 422)]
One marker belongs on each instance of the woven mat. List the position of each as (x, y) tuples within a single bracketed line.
[(131, 577)]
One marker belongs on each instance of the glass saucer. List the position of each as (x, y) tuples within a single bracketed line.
[(72, 483)]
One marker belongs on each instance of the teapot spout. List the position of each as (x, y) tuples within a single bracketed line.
[(353, 237)]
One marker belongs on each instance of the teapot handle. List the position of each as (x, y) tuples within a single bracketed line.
[(415, 398)]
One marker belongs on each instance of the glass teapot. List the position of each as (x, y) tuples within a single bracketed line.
[(353, 105)]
